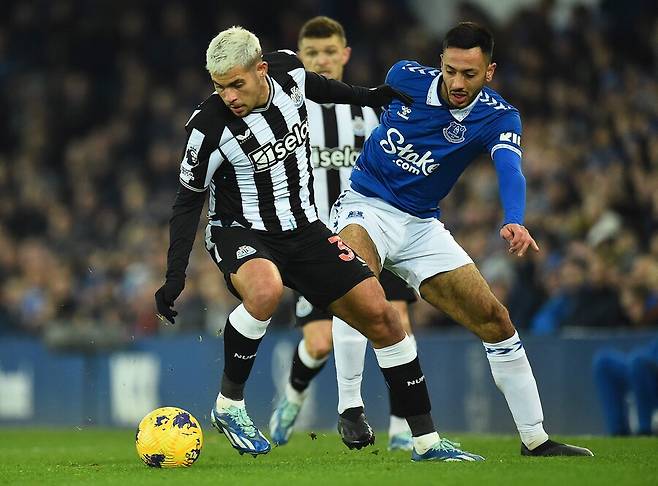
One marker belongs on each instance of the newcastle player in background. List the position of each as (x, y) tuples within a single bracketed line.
[(248, 148), (390, 214), (337, 133)]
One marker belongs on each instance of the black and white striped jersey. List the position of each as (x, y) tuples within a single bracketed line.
[(337, 133), (257, 168)]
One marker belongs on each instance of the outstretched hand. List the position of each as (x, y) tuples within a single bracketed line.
[(519, 239), (383, 95)]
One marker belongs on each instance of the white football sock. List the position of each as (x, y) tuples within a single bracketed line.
[(222, 403), (397, 425), (246, 324), (308, 360), (423, 443), (513, 376), (397, 354), (295, 396), (349, 354), (413, 341)]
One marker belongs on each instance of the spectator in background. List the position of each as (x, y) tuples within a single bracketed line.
[(91, 130), (565, 282), (584, 294), (618, 375)]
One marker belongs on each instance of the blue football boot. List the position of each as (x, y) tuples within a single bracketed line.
[(282, 420), (401, 442), (447, 451), (240, 431)]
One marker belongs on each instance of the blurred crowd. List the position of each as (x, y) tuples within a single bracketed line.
[(94, 96)]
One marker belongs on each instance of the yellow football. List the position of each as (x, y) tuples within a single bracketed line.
[(169, 437)]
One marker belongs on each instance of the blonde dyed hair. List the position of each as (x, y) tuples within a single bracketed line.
[(232, 47)]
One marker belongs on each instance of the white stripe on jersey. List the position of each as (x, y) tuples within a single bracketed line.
[(215, 160), (303, 164), (506, 146), (245, 175), (346, 136), (265, 183), (316, 136), (190, 158), (194, 113), (279, 178), (299, 75)]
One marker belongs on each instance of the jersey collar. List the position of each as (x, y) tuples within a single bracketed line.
[(434, 99)]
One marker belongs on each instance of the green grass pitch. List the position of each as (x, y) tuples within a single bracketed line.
[(108, 457)]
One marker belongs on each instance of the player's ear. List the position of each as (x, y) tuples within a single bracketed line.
[(488, 76), (261, 68), (347, 52)]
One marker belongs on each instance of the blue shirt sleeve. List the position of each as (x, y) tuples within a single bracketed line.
[(502, 139), (503, 132), (511, 185), (395, 72)]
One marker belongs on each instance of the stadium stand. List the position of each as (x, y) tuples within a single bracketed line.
[(95, 96)]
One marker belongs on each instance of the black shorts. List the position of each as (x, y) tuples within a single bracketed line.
[(394, 287), (311, 260)]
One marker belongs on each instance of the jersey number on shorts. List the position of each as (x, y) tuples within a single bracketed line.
[(348, 255)]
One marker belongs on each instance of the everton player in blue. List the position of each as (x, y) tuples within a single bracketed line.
[(390, 216)]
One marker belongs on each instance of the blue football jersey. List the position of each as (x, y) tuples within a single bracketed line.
[(417, 153)]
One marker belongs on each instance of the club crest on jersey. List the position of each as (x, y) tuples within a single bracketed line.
[(454, 133), (359, 126), (297, 96), (244, 251)]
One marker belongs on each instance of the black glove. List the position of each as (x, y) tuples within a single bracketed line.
[(383, 95), (165, 297)]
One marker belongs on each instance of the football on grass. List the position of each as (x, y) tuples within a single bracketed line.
[(169, 437)]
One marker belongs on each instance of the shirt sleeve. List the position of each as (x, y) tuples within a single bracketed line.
[(325, 90), (394, 73), (182, 230), (502, 140), (504, 133), (201, 158), (511, 185)]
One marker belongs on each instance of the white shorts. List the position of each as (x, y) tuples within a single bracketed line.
[(413, 248)]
